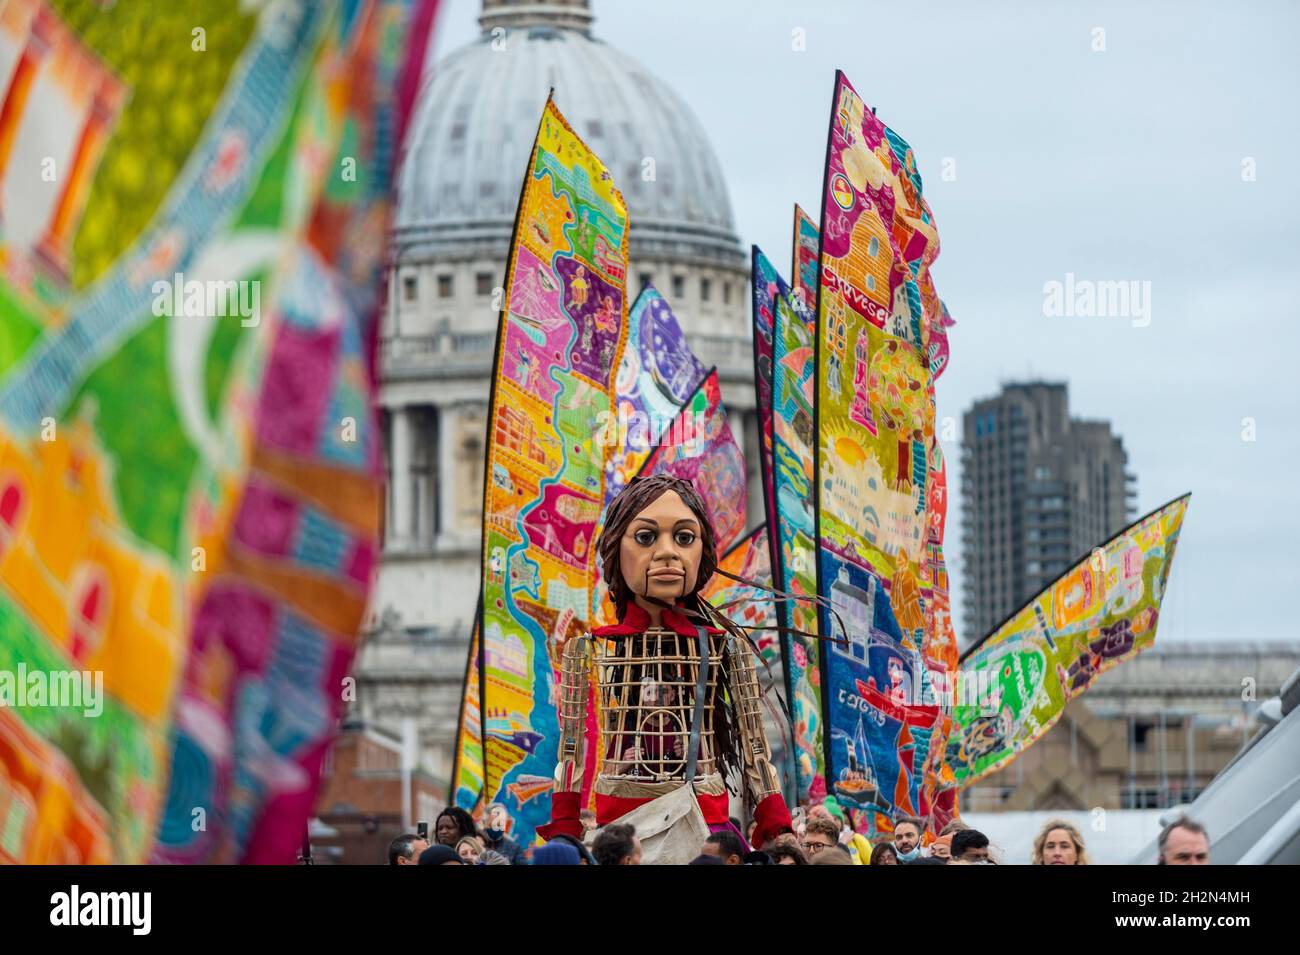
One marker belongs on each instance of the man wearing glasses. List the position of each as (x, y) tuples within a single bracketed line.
[(819, 835)]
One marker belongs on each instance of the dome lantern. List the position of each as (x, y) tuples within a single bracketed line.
[(517, 14)]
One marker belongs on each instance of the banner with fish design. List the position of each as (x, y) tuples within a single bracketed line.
[(875, 453)]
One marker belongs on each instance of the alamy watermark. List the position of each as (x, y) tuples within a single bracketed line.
[(64, 689), (980, 689), (178, 298), (638, 430), (1085, 298)]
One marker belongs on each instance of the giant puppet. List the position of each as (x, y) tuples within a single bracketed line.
[(679, 702)]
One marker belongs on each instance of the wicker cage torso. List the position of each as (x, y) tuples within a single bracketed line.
[(646, 685)]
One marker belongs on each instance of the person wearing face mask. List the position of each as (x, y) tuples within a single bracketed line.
[(495, 821), (907, 840)]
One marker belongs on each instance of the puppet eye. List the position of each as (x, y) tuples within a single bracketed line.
[(645, 537), (685, 538)]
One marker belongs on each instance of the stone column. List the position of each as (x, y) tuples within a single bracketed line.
[(401, 477), (448, 435)]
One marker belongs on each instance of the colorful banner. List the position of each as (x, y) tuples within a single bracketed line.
[(658, 374), (188, 456), (753, 607), (1014, 684), (764, 319), (467, 764), (699, 447), (794, 567), (747, 605), (807, 245), (876, 464), (561, 338)]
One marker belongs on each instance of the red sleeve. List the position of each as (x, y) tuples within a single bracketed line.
[(771, 818), (564, 817)]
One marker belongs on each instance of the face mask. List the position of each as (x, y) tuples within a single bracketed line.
[(493, 834), (910, 855)]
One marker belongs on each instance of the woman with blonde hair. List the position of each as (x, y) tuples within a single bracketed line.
[(1059, 843)]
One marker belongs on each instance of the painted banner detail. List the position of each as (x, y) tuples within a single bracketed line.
[(878, 514), (560, 341), (1013, 685), (794, 566), (189, 460)]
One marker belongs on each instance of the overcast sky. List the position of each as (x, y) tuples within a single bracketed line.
[(1119, 164)]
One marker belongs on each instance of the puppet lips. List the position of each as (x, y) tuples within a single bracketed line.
[(666, 575)]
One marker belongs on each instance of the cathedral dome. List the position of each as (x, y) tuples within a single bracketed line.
[(477, 116)]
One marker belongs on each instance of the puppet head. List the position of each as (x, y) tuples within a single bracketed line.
[(657, 544)]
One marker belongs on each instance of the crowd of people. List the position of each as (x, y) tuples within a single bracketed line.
[(820, 837)]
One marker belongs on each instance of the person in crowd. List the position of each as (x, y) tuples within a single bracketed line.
[(439, 854), (786, 854), (1059, 843), (907, 839), (969, 847), (495, 822), (954, 825), (588, 819), (469, 848), (1184, 842), (452, 825), (406, 849), (859, 847), (820, 834), (883, 853), (941, 848), (832, 855), (556, 852), (617, 844), (584, 854), (705, 859), (488, 857), (726, 845)]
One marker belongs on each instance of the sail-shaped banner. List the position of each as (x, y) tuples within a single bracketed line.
[(876, 467), (190, 459), (658, 375), (794, 565), (807, 243), (699, 447), (1014, 684), (467, 762), (559, 343), (764, 310)]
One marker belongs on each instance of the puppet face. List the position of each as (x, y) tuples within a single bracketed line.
[(659, 553)]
